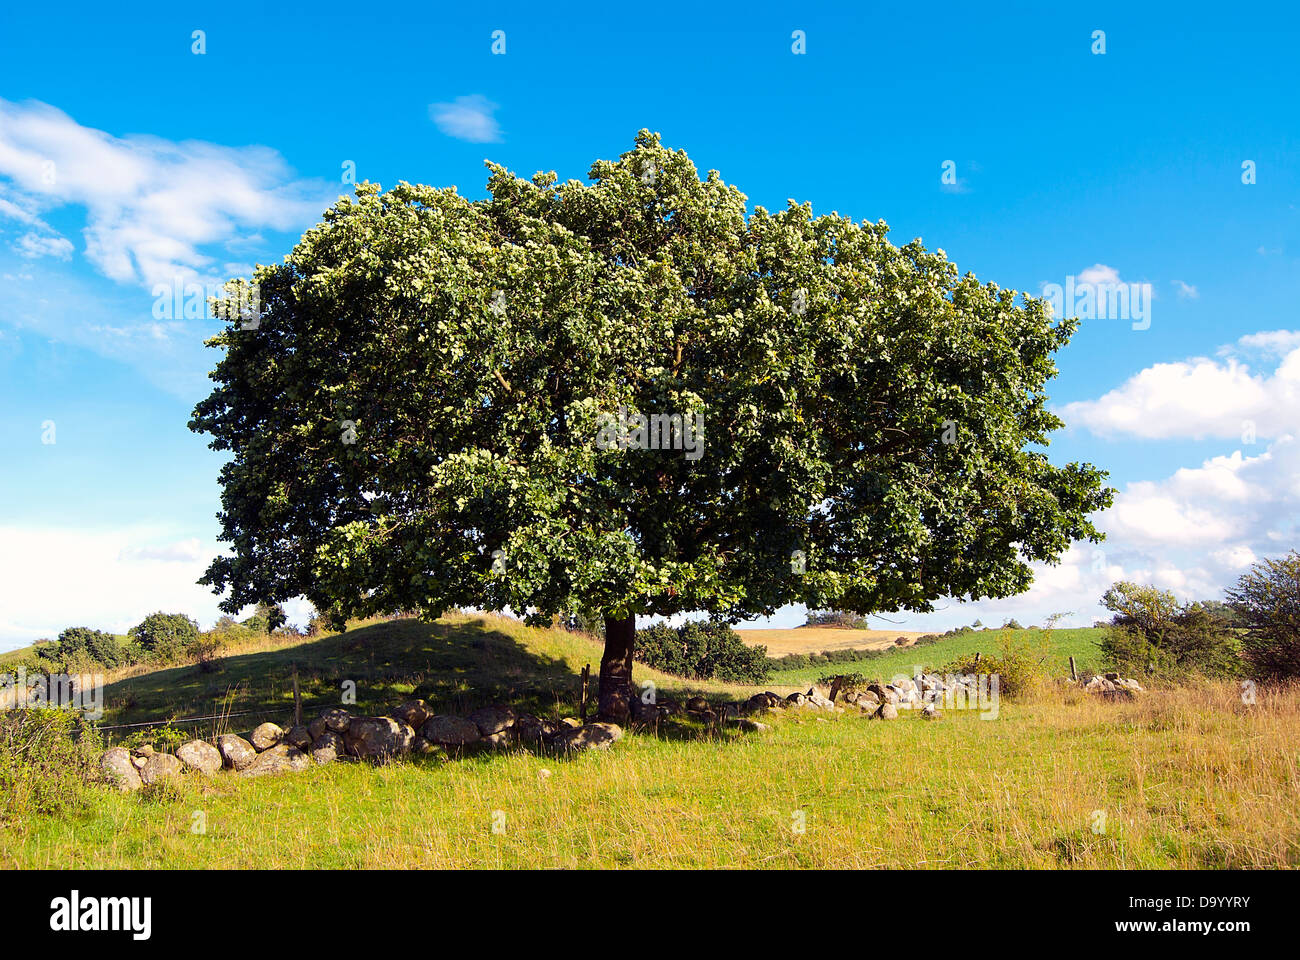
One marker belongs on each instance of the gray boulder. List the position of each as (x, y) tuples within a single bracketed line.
[(327, 748), (159, 767), (281, 758), (299, 737), (333, 720), (531, 729), (413, 713), (492, 720), (591, 736), (118, 769), (265, 736), (887, 711), (450, 731), (237, 752), (378, 738), (814, 698), (200, 755)]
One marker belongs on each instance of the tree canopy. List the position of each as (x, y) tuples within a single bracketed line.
[(415, 422)]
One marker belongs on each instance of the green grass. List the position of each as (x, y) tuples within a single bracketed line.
[(1053, 648), (1187, 778), (1186, 781)]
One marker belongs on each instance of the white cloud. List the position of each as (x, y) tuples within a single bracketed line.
[(467, 118), (1203, 397), (1186, 291), (31, 246), (178, 552), (1272, 342), (52, 578), (1099, 274), (153, 207)]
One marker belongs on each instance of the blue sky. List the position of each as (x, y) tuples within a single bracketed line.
[(127, 159)]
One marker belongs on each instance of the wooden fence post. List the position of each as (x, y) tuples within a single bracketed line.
[(835, 688), (297, 699), (1074, 675), (978, 654)]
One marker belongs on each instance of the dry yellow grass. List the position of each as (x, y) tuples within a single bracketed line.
[(820, 639)]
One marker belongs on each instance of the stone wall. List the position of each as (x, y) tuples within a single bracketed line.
[(412, 728)]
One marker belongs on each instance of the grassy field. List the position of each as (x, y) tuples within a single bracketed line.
[(1183, 778), (818, 639), (1052, 648)]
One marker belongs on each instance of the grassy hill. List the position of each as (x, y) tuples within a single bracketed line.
[(457, 664)]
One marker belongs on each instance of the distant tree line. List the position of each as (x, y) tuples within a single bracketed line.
[(160, 638)]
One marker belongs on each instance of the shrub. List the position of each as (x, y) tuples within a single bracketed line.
[(206, 651), (1267, 601), (701, 650), (81, 647), (165, 636), (1019, 672), (848, 681), (266, 617), (842, 619), (44, 771), (1153, 635), (165, 739)]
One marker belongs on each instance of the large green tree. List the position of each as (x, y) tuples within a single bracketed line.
[(416, 420)]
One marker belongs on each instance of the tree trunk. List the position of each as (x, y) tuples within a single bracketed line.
[(616, 670)]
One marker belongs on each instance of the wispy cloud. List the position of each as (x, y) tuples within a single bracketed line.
[(154, 208), (1186, 291), (467, 118), (32, 245)]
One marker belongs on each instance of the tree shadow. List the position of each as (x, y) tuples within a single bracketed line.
[(456, 667)]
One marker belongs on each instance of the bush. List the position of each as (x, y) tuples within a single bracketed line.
[(842, 619), (701, 650), (1153, 635), (44, 771), (1019, 672), (165, 636), (266, 617), (848, 681), (1267, 601), (79, 648), (206, 651)]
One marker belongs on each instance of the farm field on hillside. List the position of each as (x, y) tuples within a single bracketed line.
[(817, 639), (1053, 650)]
